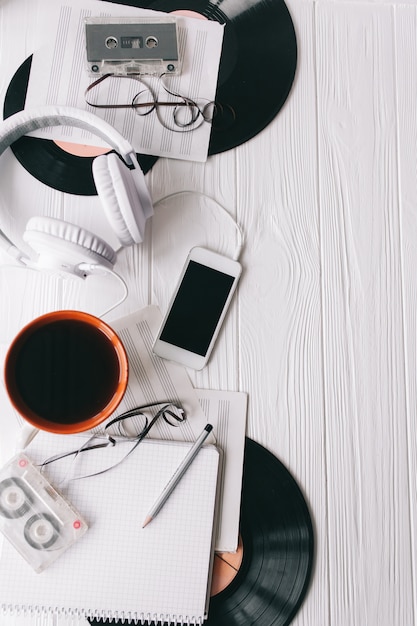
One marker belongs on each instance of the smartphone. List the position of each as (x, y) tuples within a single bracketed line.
[(197, 308)]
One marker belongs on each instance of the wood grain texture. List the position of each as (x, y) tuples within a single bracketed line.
[(322, 332), (280, 316), (406, 90), (370, 569)]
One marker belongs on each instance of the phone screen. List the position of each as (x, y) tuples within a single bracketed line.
[(197, 308)]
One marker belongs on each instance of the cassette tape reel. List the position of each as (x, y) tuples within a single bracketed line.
[(34, 517), (124, 46)]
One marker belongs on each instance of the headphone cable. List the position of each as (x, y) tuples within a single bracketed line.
[(100, 269), (240, 235)]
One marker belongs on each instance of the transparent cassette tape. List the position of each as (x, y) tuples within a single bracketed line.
[(132, 46), (34, 517)]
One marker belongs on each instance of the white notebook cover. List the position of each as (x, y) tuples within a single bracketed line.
[(120, 570)]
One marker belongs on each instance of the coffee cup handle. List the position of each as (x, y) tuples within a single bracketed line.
[(26, 435)]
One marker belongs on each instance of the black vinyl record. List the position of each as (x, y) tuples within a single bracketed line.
[(43, 158), (257, 63), (256, 73), (278, 548)]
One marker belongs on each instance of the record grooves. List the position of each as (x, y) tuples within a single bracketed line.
[(257, 64), (42, 157), (256, 73), (278, 548)]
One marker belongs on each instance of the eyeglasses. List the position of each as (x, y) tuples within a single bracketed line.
[(136, 423), (130, 426)]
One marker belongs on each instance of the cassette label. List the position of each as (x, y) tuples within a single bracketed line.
[(34, 517), (132, 46)]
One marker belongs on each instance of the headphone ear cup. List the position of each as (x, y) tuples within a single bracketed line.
[(120, 198), (59, 242)]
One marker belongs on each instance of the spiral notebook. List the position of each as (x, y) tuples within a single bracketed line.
[(119, 570)]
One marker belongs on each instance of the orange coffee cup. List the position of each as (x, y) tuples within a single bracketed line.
[(66, 372)]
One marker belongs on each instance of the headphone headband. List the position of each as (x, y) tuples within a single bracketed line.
[(120, 186), (28, 120)]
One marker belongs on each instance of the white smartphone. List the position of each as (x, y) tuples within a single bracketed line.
[(197, 308)]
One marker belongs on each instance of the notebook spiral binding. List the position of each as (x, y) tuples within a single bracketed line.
[(127, 617)]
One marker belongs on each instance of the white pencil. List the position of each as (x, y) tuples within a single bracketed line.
[(178, 474)]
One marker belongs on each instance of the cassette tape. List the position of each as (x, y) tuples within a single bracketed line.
[(132, 46), (34, 517)]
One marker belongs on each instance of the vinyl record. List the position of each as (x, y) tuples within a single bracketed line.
[(278, 548), (257, 64), (256, 73), (42, 157)]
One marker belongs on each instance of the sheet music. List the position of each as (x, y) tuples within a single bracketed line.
[(152, 379), (59, 77), (226, 410)]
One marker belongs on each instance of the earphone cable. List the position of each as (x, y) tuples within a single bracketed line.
[(90, 269), (124, 295), (240, 235)]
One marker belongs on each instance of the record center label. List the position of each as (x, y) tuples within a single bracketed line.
[(226, 567)]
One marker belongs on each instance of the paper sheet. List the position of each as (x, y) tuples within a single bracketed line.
[(118, 569), (152, 379), (59, 77), (226, 410)]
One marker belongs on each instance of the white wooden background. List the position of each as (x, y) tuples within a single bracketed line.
[(323, 332)]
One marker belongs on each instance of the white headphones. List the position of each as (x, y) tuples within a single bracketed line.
[(62, 246)]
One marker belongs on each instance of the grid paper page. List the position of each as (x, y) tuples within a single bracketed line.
[(119, 568)]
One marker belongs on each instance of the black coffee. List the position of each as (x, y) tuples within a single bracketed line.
[(67, 371)]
